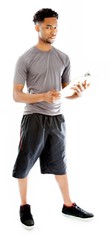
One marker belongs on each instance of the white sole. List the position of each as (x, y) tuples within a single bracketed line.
[(27, 227), (78, 218)]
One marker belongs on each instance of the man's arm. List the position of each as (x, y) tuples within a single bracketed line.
[(20, 96), (74, 90), (69, 89)]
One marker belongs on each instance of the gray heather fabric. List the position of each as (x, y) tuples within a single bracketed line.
[(42, 71)]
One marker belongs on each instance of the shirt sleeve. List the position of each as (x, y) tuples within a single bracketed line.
[(66, 72), (20, 75)]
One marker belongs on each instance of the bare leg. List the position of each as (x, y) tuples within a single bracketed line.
[(22, 183), (63, 185)]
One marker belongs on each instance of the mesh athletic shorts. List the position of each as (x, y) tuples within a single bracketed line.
[(42, 137)]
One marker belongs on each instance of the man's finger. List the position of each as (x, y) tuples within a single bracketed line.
[(85, 84), (80, 85)]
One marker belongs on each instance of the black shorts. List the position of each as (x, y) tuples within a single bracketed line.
[(42, 137)]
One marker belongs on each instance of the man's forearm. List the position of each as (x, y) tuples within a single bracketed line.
[(68, 91), (73, 89), (28, 98)]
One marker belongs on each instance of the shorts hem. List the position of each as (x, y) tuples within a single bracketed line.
[(53, 173), (19, 177)]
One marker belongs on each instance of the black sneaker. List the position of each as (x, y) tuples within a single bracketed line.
[(26, 216), (76, 211)]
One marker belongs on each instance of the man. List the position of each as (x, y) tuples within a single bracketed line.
[(46, 71)]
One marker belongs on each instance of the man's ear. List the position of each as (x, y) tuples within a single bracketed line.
[(37, 27)]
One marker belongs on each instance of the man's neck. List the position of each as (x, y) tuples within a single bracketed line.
[(44, 46)]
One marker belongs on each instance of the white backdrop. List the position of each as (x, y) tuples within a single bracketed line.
[(84, 35)]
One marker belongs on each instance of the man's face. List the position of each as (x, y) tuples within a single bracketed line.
[(48, 30)]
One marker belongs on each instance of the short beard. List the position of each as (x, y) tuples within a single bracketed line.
[(47, 41)]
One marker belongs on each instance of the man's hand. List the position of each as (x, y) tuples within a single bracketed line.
[(52, 96), (77, 88), (80, 87)]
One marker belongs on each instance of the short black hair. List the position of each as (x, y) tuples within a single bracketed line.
[(44, 13)]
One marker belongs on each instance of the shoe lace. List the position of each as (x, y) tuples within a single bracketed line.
[(78, 208)]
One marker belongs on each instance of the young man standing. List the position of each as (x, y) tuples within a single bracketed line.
[(46, 71)]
